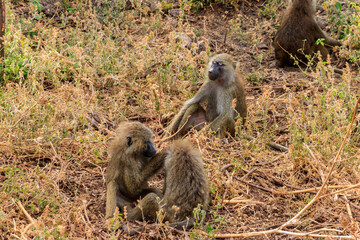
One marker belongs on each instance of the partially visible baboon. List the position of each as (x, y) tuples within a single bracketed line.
[(133, 160), (223, 83), (186, 184), (299, 30)]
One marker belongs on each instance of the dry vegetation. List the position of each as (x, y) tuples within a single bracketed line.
[(75, 69)]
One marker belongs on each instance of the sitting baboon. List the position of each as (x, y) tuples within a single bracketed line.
[(223, 83), (133, 160), (186, 184), (298, 34)]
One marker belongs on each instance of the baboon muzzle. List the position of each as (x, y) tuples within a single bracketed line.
[(150, 150)]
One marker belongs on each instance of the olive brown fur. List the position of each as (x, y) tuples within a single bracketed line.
[(186, 184), (299, 30)]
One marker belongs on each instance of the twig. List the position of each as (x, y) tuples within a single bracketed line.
[(226, 167), (348, 201), (249, 172), (235, 201), (349, 211), (275, 160), (274, 145), (318, 188), (254, 234), (23, 115), (256, 186), (25, 212), (317, 163), (340, 191)]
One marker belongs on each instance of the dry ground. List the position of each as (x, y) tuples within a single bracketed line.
[(73, 73)]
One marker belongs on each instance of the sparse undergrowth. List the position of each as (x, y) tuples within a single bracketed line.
[(128, 60)]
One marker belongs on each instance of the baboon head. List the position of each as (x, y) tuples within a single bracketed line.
[(221, 67), (137, 139), (310, 3)]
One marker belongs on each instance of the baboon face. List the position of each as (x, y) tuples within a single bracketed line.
[(138, 139), (215, 70), (148, 149), (218, 65)]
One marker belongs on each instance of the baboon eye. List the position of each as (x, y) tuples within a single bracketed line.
[(129, 141), (220, 64)]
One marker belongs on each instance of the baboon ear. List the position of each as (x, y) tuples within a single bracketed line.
[(129, 141)]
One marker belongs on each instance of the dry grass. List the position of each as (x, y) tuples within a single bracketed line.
[(130, 64)]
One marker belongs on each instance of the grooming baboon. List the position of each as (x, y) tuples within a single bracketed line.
[(185, 187), (222, 85), (133, 160), (186, 184), (299, 30)]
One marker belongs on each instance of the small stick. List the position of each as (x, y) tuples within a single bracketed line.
[(25, 212), (349, 211), (263, 233), (340, 191), (317, 163), (235, 201), (249, 172), (348, 201), (256, 186), (274, 145), (317, 188)]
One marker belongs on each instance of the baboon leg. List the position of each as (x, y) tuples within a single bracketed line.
[(149, 190), (146, 209), (323, 51), (228, 126), (331, 41)]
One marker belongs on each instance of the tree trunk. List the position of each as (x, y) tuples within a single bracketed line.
[(2, 30)]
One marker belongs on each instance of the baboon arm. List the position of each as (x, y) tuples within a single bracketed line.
[(111, 190), (200, 95), (155, 164)]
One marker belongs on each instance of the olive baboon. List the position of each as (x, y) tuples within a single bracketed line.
[(222, 85), (133, 160), (186, 184), (299, 30)]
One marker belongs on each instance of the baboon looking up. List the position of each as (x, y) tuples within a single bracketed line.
[(133, 160), (222, 85), (299, 30)]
